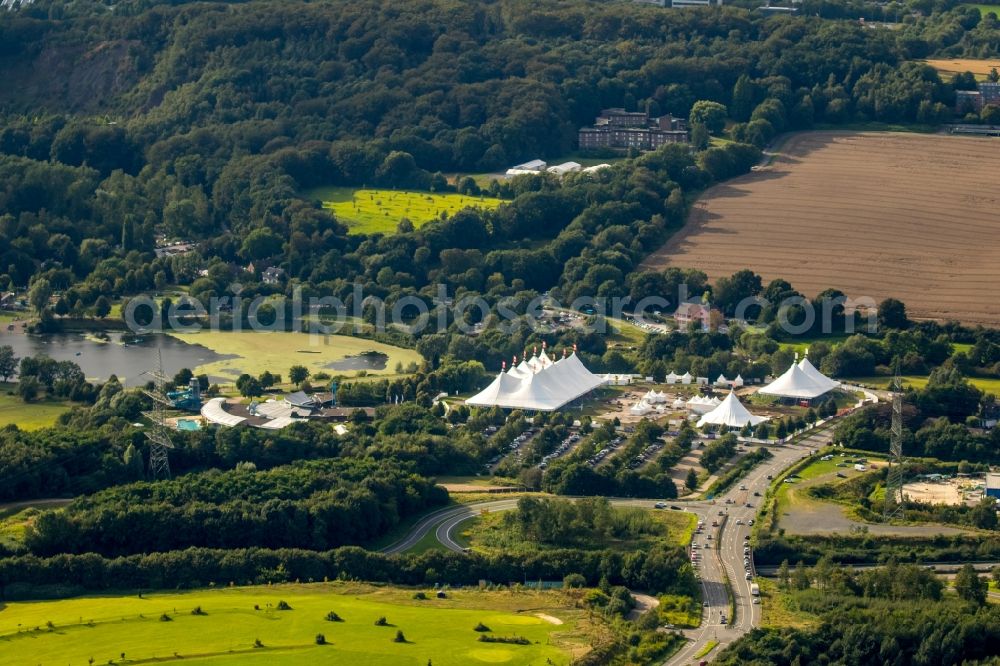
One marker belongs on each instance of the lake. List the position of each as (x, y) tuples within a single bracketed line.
[(123, 355)]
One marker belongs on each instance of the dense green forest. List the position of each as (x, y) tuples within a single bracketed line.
[(207, 120), (894, 615)]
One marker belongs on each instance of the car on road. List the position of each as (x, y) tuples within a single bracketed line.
[(742, 487), (706, 604), (756, 600), (749, 577), (675, 507), (750, 522), (749, 505), (756, 494), (769, 477), (660, 505), (739, 522)]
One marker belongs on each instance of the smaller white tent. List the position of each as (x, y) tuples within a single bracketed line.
[(721, 381), (678, 403), (640, 408), (738, 382), (730, 412), (701, 405), (673, 378), (654, 397), (686, 378)]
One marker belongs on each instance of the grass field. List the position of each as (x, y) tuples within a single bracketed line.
[(254, 352), (985, 384), (801, 345), (778, 609), (28, 416), (488, 532), (947, 67), (436, 629), (368, 211), (885, 239)]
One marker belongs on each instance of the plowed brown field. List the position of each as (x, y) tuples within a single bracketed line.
[(911, 216)]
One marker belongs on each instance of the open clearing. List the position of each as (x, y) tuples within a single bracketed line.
[(799, 513), (41, 413), (436, 629), (254, 352), (911, 216), (368, 211), (984, 384), (948, 67)]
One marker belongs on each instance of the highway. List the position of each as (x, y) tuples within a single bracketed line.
[(719, 550), (724, 560)]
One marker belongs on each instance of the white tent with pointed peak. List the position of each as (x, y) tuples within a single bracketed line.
[(738, 382), (812, 373), (722, 381), (538, 384), (686, 378), (730, 412), (795, 383), (654, 397), (673, 378)]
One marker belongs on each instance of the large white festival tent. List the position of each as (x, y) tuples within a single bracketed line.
[(732, 413), (801, 381), (538, 384)]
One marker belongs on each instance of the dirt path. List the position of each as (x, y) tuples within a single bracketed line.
[(643, 603), (913, 216)]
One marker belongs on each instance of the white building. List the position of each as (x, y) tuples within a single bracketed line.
[(565, 168)]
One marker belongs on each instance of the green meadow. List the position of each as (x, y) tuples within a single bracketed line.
[(244, 626), (254, 352), (41, 413), (367, 211)]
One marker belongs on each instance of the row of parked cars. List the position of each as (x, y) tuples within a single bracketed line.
[(606, 451), (514, 447), (645, 456), (559, 450)]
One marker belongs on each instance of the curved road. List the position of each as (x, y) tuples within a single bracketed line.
[(719, 551)]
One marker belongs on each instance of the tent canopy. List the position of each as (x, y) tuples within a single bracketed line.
[(795, 383), (732, 413), (538, 385)]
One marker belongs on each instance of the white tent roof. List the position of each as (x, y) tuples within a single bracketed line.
[(730, 412), (721, 380), (214, 413), (818, 377), (795, 383), (546, 387)]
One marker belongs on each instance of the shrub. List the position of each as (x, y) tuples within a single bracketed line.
[(381, 622), (257, 643), (166, 618), (198, 611), (320, 639), (333, 617), (480, 627), (513, 640), (420, 595), (400, 638), (283, 605)]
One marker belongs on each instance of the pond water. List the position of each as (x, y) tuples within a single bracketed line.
[(121, 353), (366, 361)]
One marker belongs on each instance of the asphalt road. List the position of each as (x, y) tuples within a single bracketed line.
[(725, 557), (718, 551)]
